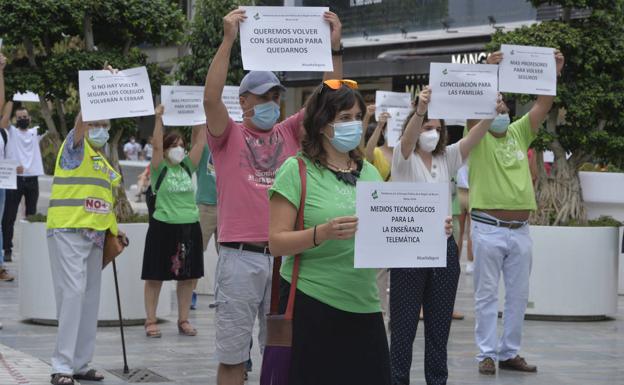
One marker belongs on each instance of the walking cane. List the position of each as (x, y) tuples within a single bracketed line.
[(123, 340)]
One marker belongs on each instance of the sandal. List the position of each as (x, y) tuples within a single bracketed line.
[(185, 328), (152, 330), (89, 375), (62, 379)]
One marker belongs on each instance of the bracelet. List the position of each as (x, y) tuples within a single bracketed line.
[(314, 237), (422, 116), (339, 51)]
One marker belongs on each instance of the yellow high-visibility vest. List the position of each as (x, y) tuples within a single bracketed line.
[(82, 198)]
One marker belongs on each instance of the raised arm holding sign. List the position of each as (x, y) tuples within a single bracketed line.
[(544, 103), (216, 111)]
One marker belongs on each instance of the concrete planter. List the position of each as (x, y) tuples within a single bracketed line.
[(574, 274), (602, 194), (36, 292)]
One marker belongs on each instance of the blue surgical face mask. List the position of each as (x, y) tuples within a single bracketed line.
[(265, 115), (347, 135), (500, 124), (98, 136)]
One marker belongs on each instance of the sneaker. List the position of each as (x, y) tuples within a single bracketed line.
[(487, 366), (518, 364), (5, 276), (194, 301), (8, 256), (469, 267)]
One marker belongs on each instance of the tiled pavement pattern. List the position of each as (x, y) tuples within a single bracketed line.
[(567, 353)]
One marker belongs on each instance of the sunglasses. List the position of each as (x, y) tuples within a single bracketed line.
[(335, 84)]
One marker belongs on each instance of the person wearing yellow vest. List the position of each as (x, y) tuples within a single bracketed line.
[(80, 213)]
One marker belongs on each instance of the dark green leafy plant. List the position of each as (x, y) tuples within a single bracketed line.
[(48, 41), (589, 97), (206, 34)]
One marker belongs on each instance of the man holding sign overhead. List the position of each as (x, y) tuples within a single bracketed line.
[(249, 154), (501, 200)]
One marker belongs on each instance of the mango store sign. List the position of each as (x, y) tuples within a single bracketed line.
[(470, 58)]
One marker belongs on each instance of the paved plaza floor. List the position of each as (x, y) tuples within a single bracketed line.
[(567, 353)]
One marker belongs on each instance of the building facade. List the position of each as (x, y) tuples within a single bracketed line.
[(389, 44)]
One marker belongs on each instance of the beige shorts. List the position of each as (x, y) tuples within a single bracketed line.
[(208, 223), (242, 294), (464, 200)]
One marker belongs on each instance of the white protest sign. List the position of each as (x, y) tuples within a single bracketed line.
[(463, 91), (395, 124), (286, 39), (104, 95), (230, 98), (528, 70), (388, 99), (8, 174), (184, 105), (27, 96), (401, 224)]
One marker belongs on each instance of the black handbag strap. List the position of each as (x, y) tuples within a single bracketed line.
[(162, 175)]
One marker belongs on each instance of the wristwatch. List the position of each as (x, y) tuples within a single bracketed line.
[(339, 51)]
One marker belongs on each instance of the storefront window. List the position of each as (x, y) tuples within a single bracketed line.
[(367, 18)]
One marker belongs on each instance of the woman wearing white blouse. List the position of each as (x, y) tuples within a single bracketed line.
[(423, 156)]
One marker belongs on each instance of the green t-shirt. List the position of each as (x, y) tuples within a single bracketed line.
[(206, 180), (499, 175), (175, 203), (326, 272)]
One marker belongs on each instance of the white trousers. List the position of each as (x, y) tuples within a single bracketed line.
[(497, 250), (76, 264)]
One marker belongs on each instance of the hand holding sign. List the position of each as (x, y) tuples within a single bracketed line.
[(337, 228), (559, 61), (335, 29), (423, 101), (231, 23), (159, 111)]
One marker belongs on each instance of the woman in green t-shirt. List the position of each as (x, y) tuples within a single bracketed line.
[(173, 245), (337, 321)]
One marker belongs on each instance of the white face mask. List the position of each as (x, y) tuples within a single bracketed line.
[(428, 140), (176, 155)]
